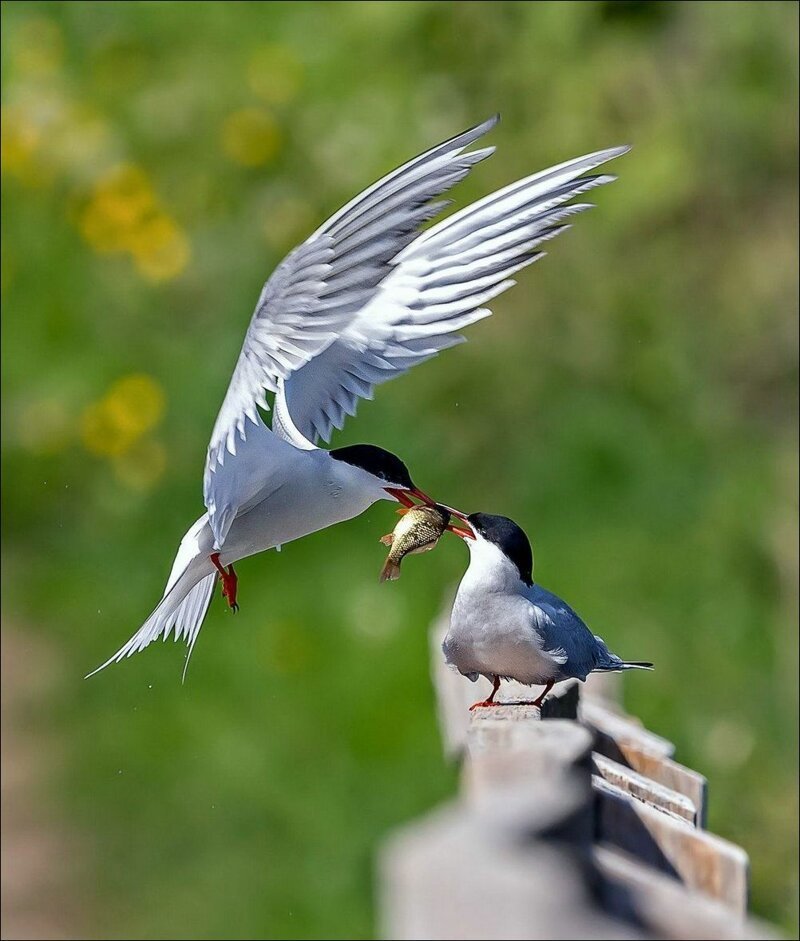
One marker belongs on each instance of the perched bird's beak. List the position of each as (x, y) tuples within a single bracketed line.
[(454, 512), (463, 533)]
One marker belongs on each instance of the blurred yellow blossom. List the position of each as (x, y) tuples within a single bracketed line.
[(132, 406), (121, 202), (275, 74), (138, 401), (142, 465), (251, 137), (160, 249), (18, 141), (124, 215), (100, 432)]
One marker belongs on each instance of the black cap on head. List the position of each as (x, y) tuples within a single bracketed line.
[(509, 538), (376, 461)]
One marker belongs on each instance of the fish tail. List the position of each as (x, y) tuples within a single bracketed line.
[(390, 571)]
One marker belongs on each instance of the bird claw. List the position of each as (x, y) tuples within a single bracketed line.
[(229, 581), (485, 703), (229, 584)]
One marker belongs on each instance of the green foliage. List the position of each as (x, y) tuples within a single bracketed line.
[(640, 421)]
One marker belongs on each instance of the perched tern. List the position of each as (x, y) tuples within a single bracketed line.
[(504, 626), (364, 299)]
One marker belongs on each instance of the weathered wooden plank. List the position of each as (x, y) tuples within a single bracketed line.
[(623, 728), (506, 749), (458, 874), (645, 789), (658, 768), (633, 891), (701, 861)]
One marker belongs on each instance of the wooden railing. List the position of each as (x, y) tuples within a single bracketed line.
[(573, 821)]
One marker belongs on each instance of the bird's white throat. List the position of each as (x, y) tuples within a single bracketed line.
[(490, 569)]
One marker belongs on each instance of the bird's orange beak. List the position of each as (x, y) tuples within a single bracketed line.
[(463, 533), (404, 496)]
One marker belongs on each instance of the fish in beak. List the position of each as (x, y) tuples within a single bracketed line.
[(404, 497)]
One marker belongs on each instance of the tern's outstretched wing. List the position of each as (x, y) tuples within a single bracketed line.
[(439, 283), (321, 287)]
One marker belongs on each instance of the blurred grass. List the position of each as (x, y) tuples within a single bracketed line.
[(158, 161)]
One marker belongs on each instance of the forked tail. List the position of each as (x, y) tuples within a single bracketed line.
[(624, 665), (182, 608)]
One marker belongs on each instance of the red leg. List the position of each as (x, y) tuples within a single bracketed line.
[(539, 699), (229, 579), (489, 701)]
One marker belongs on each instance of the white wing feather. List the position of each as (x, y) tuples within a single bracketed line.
[(438, 284), (321, 287)]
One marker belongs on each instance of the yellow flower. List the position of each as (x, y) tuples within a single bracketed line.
[(19, 140), (101, 433), (131, 407), (124, 215), (120, 202), (137, 402), (160, 249), (251, 137)]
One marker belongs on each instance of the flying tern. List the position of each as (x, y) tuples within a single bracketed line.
[(366, 297)]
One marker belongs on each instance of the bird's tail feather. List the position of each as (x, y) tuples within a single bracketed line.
[(182, 609), (625, 665)]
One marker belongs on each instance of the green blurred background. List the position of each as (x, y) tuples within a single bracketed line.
[(158, 161)]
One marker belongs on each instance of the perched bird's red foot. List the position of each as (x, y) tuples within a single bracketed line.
[(485, 702), (489, 701), (539, 699), (230, 581)]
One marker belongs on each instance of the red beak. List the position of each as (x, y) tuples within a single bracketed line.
[(400, 495), (423, 497), (463, 533)]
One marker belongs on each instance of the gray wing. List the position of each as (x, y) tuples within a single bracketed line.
[(438, 284), (562, 630)]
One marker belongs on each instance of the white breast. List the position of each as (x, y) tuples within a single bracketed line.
[(491, 627), (313, 492)]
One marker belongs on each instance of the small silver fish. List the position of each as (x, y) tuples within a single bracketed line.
[(418, 531)]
